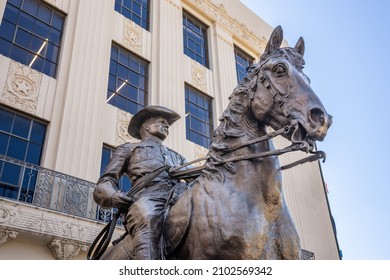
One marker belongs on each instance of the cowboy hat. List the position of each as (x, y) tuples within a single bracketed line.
[(150, 112)]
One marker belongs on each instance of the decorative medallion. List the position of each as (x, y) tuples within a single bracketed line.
[(22, 87), (122, 136), (198, 75), (132, 36)]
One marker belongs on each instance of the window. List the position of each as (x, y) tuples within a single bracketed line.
[(135, 10), (30, 33), (21, 138), (195, 39), (127, 81), (199, 127), (124, 182), (243, 61)]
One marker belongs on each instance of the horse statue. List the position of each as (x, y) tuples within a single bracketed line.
[(236, 208)]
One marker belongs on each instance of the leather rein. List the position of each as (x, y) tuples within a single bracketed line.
[(278, 98)]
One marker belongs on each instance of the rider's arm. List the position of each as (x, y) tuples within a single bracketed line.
[(106, 192)]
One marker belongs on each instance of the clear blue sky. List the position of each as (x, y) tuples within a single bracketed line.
[(348, 62)]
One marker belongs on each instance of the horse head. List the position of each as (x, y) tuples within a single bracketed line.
[(281, 94)]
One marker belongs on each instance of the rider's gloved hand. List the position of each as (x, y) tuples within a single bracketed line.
[(120, 201)]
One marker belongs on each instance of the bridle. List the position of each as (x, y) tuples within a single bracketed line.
[(302, 145)]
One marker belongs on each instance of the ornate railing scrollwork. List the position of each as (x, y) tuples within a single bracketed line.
[(29, 183)]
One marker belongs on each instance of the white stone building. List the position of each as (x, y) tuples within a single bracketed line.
[(72, 73)]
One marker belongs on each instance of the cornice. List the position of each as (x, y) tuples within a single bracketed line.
[(43, 222)]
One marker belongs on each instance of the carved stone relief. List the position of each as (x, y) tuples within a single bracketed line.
[(122, 136), (6, 234), (132, 36), (198, 75), (63, 249), (72, 230), (42, 222), (22, 86)]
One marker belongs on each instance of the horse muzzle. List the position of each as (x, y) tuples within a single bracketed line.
[(319, 123)]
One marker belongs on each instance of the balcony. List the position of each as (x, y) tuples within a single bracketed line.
[(55, 207), (49, 189)]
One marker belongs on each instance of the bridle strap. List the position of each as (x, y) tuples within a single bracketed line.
[(276, 95)]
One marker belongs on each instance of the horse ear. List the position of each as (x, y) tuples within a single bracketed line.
[(300, 46), (275, 40)]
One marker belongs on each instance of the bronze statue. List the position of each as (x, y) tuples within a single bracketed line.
[(144, 216), (235, 209)]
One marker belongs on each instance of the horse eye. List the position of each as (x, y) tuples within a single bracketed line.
[(279, 69)]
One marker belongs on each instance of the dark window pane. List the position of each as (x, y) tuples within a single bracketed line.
[(124, 184), (20, 54), (49, 68), (38, 63), (5, 47), (26, 21), (17, 148), (11, 14), (4, 138), (52, 53), (57, 21), (44, 14), (34, 153), (23, 38), (17, 3), (21, 126), (6, 119), (106, 155), (38, 44), (55, 37), (127, 4), (30, 6), (10, 174), (37, 132), (133, 78), (42, 29), (7, 30)]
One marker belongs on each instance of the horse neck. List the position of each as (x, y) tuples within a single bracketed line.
[(258, 177)]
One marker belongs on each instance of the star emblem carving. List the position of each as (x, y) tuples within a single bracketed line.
[(22, 86)]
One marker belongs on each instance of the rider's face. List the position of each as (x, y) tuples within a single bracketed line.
[(158, 127)]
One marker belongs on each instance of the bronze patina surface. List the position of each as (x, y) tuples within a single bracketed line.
[(235, 209)]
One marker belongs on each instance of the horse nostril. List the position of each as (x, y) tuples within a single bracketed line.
[(318, 116)]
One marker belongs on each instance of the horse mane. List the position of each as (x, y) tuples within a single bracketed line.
[(237, 111)]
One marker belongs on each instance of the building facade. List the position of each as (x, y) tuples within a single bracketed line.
[(72, 74)]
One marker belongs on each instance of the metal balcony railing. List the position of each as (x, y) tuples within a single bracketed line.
[(29, 183), (307, 255)]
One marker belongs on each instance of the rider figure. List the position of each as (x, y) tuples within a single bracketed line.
[(144, 217)]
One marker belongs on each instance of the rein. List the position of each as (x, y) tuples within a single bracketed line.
[(193, 172)]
